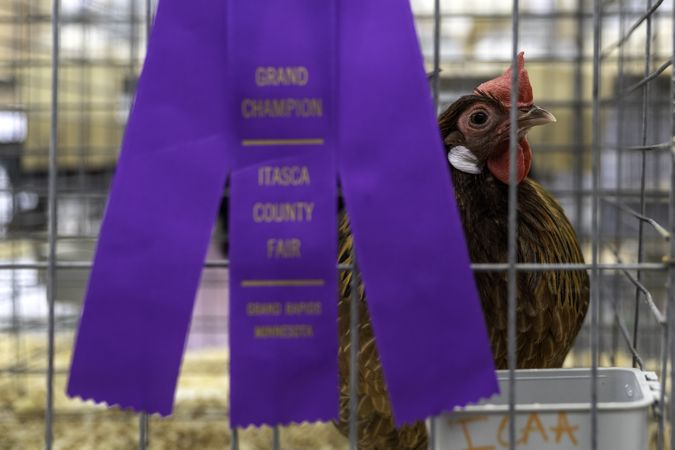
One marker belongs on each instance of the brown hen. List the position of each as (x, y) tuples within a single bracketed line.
[(551, 305)]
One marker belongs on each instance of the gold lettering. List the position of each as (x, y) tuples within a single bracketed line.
[(464, 423), (281, 76), (302, 308), (283, 331), (257, 212), (283, 212), (247, 108), (303, 108), (283, 248), (563, 426), (533, 424), (283, 176), (309, 209), (263, 309)]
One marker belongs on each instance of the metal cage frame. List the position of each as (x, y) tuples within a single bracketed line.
[(665, 413)]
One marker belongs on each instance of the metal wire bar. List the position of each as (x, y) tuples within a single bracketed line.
[(99, 18), (108, 18), (84, 129), (354, 355), (133, 40), (16, 327), (512, 345), (643, 170), (436, 93), (69, 193), (595, 278), (107, 62), (437, 53), (648, 76), (235, 439), (16, 370), (143, 419), (660, 229), (643, 148), (565, 148), (537, 60), (524, 15), (618, 223), (579, 128), (143, 426), (206, 416), (671, 220), (660, 318), (653, 194), (650, 10), (91, 19), (660, 437), (275, 438), (627, 338), (656, 119), (52, 223), (149, 17), (478, 267), (42, 236), (101, 106)]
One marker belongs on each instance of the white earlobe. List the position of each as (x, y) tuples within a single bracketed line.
[(464, 160)]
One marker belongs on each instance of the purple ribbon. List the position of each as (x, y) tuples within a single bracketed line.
[(283, 226), (191, 125), (408, 235), (160, 213)]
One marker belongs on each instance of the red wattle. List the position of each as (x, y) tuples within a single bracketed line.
[(499, 165)]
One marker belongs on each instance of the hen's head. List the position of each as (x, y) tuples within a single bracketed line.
[(480, 123)]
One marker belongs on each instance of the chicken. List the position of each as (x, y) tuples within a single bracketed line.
[(551, 305)]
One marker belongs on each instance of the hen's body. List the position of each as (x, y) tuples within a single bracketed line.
[(550, 305)]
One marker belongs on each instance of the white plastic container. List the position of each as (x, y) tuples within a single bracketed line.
[(553, 412)]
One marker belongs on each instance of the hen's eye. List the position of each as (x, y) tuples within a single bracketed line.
[(478, 118)]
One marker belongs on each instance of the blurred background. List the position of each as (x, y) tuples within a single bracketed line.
[(101, 54)]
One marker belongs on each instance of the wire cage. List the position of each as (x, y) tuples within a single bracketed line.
[(68, 72)]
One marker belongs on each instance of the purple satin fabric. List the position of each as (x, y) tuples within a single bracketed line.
[(185, 136), (423, 302), (161, 210), (283, 363)]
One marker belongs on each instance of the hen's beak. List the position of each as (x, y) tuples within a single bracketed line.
[(533, 117)]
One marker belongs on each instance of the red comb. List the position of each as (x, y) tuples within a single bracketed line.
[(500, 87)]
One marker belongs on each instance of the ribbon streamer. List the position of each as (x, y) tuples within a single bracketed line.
[(283, 225), (161, 210), (184, 137), (425, 309)]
